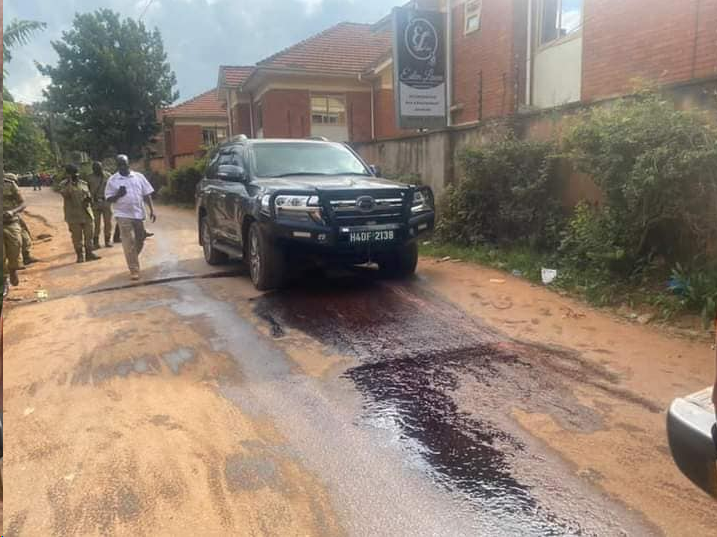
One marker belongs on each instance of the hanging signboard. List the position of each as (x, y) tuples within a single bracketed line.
[(419, 68)]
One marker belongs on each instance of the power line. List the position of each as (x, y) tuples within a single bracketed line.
[(146, 7)]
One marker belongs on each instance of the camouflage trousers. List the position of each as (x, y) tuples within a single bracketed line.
[(103, 214), (26, 239), (82, 236), (12, 245)]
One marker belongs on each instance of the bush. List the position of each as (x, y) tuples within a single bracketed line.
[(508, 195), (182, 183), (657, 168), (696, 289)]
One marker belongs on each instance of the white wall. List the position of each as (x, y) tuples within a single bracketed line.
[(335, 133), (557, 71)]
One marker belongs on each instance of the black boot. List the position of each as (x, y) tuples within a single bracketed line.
[(96, 244), (92, 257), (28, 259), (80, 257)]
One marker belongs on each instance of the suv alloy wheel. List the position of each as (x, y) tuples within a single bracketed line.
[(211, 255), (267, 265)]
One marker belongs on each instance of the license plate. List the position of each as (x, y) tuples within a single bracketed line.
[(371, 236)]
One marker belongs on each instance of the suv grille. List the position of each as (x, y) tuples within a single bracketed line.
[(366, 209)]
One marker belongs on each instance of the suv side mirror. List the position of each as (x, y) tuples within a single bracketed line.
[(231, 172), (375, 170)]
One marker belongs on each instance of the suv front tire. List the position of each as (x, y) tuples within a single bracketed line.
[(266, 261), (211, 254)]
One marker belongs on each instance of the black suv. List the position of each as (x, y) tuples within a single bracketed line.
[(280, 203)]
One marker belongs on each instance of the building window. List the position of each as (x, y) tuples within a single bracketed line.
[(328, 110), (472, 11), (211, 136), (560, 18)]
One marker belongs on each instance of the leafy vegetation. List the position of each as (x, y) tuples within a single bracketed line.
[(509, 194), (111, 78), (182, 183), (15, 34), (657, 169), (27, 148)]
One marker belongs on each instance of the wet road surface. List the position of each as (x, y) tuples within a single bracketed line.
[(414, 352), (347, 405)]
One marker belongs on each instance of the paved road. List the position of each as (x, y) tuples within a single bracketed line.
[(191, 403)]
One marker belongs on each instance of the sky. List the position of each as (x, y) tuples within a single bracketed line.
[(199, 35)]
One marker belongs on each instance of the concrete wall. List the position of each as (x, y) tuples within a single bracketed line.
[(425, 156)]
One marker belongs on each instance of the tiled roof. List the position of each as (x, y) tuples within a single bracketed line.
[(344, 48), (204, 105), (234, 76)]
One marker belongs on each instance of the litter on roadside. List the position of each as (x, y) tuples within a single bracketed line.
[(41, 294), (497, 280), (444, 259), (517, 273), (548, 275)]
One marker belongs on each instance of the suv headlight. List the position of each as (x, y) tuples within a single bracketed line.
[(297, 207), (420, 202)]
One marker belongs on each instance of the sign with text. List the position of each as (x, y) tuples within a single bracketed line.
[(419, 68)]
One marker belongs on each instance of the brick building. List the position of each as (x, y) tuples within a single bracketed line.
[(191, 125), (506, 56), (513, 55), (236, 102), (313, 88)]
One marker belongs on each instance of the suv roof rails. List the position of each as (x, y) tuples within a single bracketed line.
[(239, 138), (318, 138)]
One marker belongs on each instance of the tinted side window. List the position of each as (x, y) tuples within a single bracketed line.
[(211, 172)]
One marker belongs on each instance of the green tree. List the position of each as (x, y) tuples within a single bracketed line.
[(28, 148), (111, 79), (17, 33)]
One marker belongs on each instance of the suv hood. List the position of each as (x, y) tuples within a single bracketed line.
[(320, 182)]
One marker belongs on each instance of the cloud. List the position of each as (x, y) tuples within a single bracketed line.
[(311, 6), (199, 35), (29, 90)]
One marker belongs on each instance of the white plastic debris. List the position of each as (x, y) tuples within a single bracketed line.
[(548, 275)]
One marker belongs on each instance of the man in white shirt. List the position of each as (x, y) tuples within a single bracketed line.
[(129, 191)]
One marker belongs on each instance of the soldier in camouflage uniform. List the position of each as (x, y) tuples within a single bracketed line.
[(12, 205), (102, 210), (78, 213), (27, 257)]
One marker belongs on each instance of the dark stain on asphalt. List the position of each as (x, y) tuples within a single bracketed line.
[(414, 351)]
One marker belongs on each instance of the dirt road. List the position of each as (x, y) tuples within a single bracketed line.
[(448, 405)]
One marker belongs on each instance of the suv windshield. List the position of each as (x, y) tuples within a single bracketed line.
[(285, 159)]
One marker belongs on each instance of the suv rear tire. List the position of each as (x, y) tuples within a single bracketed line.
[(211, 254), (401, 263), (266, 261)]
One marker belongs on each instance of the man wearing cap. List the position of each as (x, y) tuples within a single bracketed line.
[(78, 213), (129, 190), (101, 209), (12, 205)]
